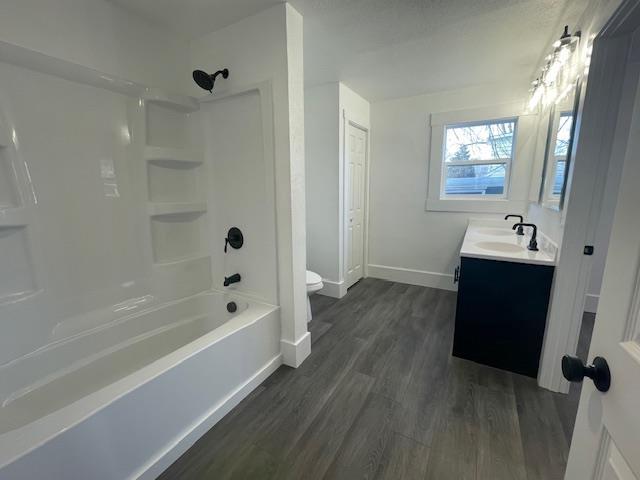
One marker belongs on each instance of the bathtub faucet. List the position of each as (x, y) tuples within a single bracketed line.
[(235, 278)]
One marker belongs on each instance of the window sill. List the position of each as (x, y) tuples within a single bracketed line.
[(474, 205)]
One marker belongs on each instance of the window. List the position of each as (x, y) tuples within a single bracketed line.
[(563, 138), (480, 160), (477, 158)]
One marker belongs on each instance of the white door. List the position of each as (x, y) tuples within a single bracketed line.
[(355, 162), (606, 439)]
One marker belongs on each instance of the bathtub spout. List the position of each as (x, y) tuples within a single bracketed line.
[(235, 278)]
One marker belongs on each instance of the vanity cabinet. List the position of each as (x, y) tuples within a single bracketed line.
[(501, 313)]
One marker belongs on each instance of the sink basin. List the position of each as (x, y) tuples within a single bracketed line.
[(500, 247), (495, 232)]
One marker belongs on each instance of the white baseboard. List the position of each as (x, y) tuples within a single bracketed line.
[(174, 451), (423, 278), (333, 289), (591, 303), (293, 354)]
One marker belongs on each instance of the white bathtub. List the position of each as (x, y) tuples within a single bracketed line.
[(126, 399)]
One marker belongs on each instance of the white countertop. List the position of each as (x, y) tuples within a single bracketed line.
[(495, 240)]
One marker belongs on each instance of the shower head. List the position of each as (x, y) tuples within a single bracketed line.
[(206, 80)]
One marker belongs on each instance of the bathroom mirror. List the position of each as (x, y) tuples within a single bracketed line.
[(557, 157)]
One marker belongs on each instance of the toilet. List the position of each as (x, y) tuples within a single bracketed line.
[(314, 283)]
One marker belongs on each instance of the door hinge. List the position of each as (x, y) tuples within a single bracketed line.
[(456, 275), (588, 249)]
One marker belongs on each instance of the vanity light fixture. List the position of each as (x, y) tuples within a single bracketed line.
[(559, 74)]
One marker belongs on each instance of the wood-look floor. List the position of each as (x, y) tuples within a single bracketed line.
[(380, 397)]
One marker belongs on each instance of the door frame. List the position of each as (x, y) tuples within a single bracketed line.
[(598, 119), (605, 438), (350, 120)]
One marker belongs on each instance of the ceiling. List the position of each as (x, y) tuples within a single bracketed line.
[(394, 48)]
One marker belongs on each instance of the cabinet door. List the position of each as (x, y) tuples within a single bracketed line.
[(501, 313)]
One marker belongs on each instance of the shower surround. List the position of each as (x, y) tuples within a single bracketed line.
[(118, 349)]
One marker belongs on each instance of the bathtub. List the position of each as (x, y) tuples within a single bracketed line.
[(124, 400)]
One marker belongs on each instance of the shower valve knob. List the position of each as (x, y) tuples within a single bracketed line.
[(234, 238)]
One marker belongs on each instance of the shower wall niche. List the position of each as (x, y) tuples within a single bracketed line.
[(8, 191), (18, 278), (174, 175), (175, 172)]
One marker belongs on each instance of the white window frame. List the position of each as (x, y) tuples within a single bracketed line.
[(518, 172), (506, 161)]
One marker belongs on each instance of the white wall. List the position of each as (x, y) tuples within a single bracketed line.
[(552, 221), (99, 35), (407, 243), (587, 187), (353, 107), (328, 109), (322, 180), (549, 221), (267, 47), (614, 173)]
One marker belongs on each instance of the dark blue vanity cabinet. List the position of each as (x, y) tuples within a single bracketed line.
[(501, 313)]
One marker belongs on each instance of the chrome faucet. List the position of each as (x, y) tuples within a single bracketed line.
[(533, 244)]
